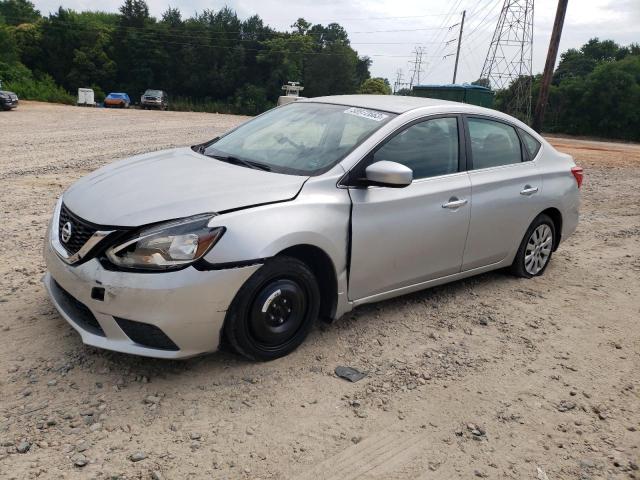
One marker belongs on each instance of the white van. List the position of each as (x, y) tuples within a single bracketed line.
[(86, 97)]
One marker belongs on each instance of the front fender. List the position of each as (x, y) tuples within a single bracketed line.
[(318, 216)]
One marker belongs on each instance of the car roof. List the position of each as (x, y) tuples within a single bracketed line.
[(401, 104), (396, 103)]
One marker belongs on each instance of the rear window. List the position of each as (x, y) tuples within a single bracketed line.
[(532, 145), (493, 143)]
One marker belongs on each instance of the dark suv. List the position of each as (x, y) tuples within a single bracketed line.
[(154, 99), (8, 100)]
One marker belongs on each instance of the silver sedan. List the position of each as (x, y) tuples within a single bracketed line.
[(304, 212)]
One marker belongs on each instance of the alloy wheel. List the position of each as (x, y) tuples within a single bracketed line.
[(538, 250)]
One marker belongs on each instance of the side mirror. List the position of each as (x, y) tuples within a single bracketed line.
[(389, 174)]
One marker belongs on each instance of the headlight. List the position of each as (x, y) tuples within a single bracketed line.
[(4, 95), (167, 246)]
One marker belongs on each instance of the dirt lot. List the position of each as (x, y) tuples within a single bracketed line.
[(492, 377)]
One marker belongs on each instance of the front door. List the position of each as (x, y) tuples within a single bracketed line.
[(405, 236)]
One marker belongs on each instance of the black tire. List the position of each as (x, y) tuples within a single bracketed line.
[(274, 311), (519, 267)]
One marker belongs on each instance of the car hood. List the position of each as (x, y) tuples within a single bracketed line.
[(7, 92), (172, 184)]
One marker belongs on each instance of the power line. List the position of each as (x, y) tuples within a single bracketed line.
[(167, 37), (441, 35), (482, 22), (208, 30), (388, 18)]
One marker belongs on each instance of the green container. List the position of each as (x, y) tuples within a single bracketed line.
[(473, 94)]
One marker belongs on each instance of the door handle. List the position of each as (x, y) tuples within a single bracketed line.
[(454, 203), (529, 190)]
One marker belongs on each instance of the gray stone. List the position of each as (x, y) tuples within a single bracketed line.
[(137, 456), (79, 460), (152, 400), (565, 406), (23, 447)]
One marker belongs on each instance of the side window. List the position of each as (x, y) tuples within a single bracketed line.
[(429, 148), (493, 143), (532, 145)]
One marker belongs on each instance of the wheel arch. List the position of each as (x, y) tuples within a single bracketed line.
[(324, 270), (556, 217)]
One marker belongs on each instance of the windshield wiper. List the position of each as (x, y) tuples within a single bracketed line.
[(240, 161)]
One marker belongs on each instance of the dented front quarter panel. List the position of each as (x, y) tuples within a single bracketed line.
[(319, 216)]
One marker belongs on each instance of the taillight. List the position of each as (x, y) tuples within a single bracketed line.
[(578, 172)]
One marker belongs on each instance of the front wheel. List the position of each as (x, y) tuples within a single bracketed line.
[(535, 249), (274, 310)]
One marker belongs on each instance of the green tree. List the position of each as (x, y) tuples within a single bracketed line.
[(331, 71), (212, 58), (376, 86), (284, 58), (134, 13), (15, 12), (595, 91), (301, 26), (74, 50)]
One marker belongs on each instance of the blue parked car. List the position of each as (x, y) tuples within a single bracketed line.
[(120, 100)]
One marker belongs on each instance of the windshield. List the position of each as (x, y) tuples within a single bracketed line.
[(301, 138), (155, 93), (115, 95)]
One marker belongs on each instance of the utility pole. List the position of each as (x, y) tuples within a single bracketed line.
[(552, 54), (455, 69)]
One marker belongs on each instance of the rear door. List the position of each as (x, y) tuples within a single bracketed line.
[(405, 236), (505, 187)]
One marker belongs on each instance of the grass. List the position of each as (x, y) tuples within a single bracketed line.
[(44, 90)]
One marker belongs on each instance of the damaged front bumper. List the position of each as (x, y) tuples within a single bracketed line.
[(164, 315)]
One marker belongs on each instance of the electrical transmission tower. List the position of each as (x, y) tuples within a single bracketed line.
[(508, 62), (397, 85), (416, 70)]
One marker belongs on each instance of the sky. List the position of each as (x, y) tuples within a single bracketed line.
[(389, 31)]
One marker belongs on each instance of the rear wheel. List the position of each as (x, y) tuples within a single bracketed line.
[(535, 249), (274, 310)]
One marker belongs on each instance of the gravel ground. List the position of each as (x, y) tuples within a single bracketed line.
[(491, 377)]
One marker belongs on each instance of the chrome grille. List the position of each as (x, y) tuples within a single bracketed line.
[(81, 231)]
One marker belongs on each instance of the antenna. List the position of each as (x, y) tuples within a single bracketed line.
[(508, 62)]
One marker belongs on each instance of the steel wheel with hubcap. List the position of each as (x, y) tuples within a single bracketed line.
[(536, 248), (274, 310)]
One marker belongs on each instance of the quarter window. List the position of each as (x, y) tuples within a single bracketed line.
[(533, 145), (493, 143), (429, 148)]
